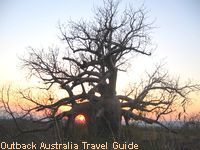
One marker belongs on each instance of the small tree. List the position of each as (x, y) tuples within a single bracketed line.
[(96, 52)]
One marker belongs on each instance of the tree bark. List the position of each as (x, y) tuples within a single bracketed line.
[(111, 117), (108, 123)]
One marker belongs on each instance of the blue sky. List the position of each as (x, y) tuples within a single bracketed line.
[(25, 23)]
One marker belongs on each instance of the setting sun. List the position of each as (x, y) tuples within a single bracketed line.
[(80, 119)]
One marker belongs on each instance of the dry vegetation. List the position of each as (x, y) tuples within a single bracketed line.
[(147, 137), (87, 71)]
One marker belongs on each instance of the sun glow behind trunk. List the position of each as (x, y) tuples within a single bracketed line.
[(80, 119)]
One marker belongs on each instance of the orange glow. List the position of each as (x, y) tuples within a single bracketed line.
[(64, 108), (80, 119)]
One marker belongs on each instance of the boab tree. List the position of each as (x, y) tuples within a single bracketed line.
[(96, 51)]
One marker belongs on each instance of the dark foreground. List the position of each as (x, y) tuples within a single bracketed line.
[(133, 137)]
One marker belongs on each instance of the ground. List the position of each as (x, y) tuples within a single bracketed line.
[(147, 138)]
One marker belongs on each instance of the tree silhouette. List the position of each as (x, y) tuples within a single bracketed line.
[(96, 51)]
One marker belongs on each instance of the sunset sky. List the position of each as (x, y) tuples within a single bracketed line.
[(34, 23)]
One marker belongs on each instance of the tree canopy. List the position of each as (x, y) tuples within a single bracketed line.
[(96, 51)]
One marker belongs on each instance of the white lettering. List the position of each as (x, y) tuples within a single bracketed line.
[(125, 146), (3, 145)]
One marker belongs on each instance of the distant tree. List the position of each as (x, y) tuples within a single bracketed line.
[(96, 51)]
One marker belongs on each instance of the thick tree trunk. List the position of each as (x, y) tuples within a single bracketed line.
[(110, 120), (104, 117)]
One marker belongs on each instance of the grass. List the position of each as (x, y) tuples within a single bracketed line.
[(147, 138)]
